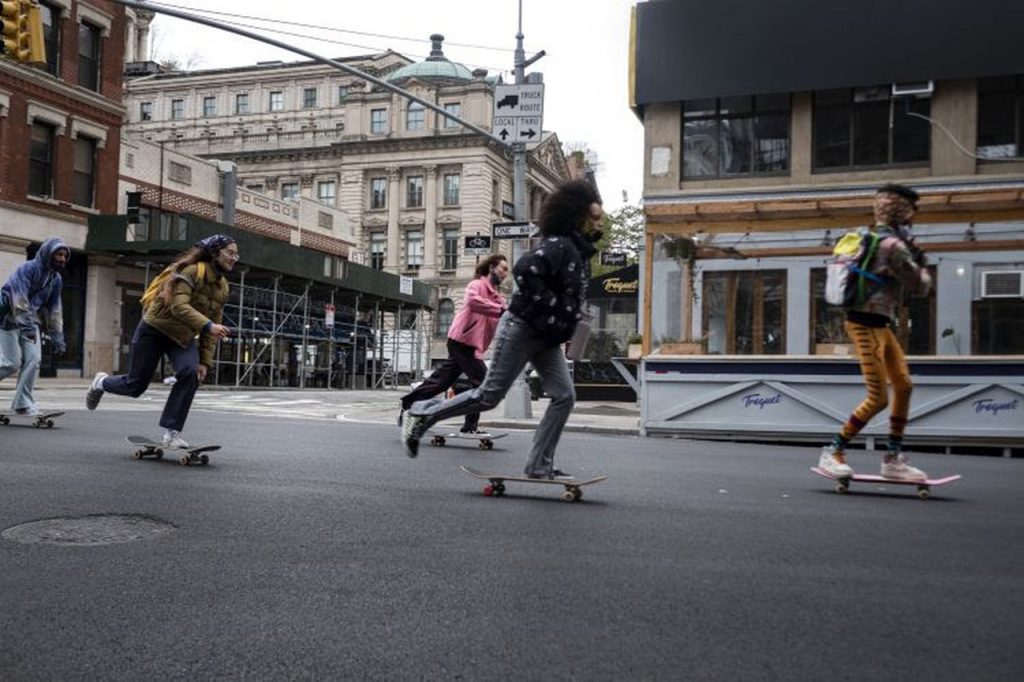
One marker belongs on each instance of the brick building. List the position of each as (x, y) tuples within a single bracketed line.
[(59, 145)]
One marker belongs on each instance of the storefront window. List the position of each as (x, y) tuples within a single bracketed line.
[(745, 312)]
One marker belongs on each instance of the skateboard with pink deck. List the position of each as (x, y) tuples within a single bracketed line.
[(923, 487)]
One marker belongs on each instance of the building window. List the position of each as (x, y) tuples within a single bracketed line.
[(289, 191), (242, 103), (997, 326), (308, 98), (378, 192), (85, 171), (378, 121), (277, 101), (145, 111), (852, 129), (745, 312), (451, 189), (179, 172), (415, 117), (452, 108), (89, 56), (1001, 117), (342, 94), (445, 315), (51, 36), (826, 320), (736, 136), (40, 161), (177, 109), (325, 192), (414, 191), (413, 249), (209, 107), (450, 249), (378, 247)]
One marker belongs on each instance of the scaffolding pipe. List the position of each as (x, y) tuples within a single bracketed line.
[(305, 335), (355, 340), (330, 349), (273, 337), (238, 350), (378, 345)]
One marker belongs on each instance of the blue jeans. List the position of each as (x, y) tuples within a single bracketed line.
[(515, 344), (18, 354), (148, 346)]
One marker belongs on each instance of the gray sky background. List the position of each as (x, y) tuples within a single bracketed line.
[(585, 70)]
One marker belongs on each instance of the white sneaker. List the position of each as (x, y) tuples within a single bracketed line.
[(897, 467), (28, 411), (173, 439), (92, 398), (833, 461)]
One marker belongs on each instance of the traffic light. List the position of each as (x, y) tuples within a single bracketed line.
[(15, 29), (22, 31)]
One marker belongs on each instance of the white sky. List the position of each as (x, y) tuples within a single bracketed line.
[(585, 68)]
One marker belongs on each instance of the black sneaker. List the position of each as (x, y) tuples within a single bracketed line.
[(411, 434), (401, 411), (95, 392)]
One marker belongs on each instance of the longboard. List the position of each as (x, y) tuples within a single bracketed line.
[(923, 487), (43, 419), (496, 483), (149, 448), (485, 440)]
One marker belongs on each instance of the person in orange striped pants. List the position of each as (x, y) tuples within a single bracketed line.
[(900, 266)]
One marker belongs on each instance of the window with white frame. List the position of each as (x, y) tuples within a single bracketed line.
[(84, 171), (378, 247), (413, 249), (452, 108), (242, 103), (378, 121), (209, 107), (378, 192), (89, 56), (445, 315), (325, 191), (145, 111), (415, 116), (414, 191), (308, 98), (177, 109), (289, 191), (452, 181), (450, 248), (342, 94), (276, 102)]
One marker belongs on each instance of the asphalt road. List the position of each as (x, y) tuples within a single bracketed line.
[(317, 550)]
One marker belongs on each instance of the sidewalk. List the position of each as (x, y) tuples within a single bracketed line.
[(381, 406)]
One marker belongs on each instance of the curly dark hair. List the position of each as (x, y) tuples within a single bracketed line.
[(484, 268), (565, 210)]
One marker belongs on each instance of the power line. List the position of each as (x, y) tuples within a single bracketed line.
[(328, 28), (306, 36)]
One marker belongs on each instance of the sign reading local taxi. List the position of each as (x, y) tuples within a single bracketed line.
[(519, 112)]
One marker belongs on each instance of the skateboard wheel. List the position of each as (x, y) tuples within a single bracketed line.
[(488, 490), (923, 492), (482, 445), (499, 490), (568, 496), (159, 454), (49, 423), (183, 460), (204, 459), (841, 488), (137, 454)]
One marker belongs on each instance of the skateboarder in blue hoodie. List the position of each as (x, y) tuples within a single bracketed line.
[(29, 298)]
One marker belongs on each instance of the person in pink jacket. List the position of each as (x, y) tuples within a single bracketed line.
[(468, 337)]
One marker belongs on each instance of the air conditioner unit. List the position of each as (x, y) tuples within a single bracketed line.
[(918, 89), (1002, 284)]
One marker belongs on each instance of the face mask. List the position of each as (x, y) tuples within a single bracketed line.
[(594, 235), (495, 280)]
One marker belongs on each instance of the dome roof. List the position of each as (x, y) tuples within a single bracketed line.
[(436, 66)]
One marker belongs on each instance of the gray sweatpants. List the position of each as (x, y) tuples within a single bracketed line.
[(18, 354), (515, 344)]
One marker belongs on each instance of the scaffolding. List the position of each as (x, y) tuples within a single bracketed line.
[(281, 337)]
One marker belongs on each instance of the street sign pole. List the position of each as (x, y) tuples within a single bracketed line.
[(517, 400)]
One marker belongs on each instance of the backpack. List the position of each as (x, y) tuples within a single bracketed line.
[(154, 288), (848, 281)]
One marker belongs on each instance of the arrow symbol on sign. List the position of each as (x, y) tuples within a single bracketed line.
[(531, 133), (503, 134)]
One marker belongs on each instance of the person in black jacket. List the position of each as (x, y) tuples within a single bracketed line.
[(551, 281)]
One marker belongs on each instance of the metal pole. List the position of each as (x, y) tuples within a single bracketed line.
[(355, 339), (238, 341), (273, 336), (330, 348), (378, 346), (305, 336)]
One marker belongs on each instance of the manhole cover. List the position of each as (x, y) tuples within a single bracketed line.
[(91, 529)]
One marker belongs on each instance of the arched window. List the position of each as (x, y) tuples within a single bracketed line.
[(445, 315)]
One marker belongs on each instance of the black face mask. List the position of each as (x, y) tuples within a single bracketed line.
[(495, 280), (594, 235)]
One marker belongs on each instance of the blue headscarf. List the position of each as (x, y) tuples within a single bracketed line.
[(214, 243)]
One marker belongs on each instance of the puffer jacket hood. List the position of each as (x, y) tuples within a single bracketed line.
[(31, 295)]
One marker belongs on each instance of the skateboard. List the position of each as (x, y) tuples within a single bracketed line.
[(923, 487), (485, 440), (149, 448), (496, 485), (41, 420)]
